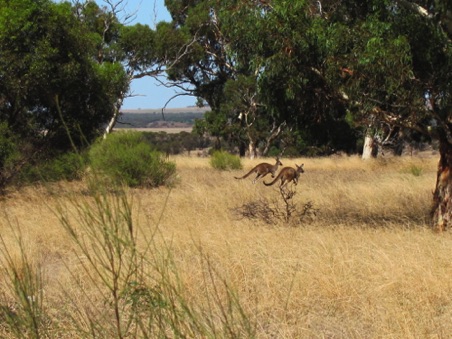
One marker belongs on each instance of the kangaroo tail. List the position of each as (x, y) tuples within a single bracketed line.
[(243, 176), (247, 174), (274, 180), (270, 183)]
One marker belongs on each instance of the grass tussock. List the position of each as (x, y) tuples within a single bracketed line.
[(177, 262)]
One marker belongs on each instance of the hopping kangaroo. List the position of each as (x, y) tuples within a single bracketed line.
[(262, 170), (287, 175)]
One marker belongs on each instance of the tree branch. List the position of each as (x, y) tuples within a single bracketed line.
[(426, 14), (170, 99)]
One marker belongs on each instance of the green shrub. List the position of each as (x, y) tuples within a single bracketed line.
[(416, 171), (291, 152), (273, 152), (68, 166), (9, 154), (125, 158), (8, 147), (18, 165), (225, 161)]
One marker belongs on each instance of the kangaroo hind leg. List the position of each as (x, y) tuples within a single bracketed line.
[(256, 178)]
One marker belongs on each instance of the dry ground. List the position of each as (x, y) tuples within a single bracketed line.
[(366, 266)]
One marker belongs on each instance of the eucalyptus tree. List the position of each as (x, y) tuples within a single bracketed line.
[(49, 83), (259, 65), (326, 63), (223, 67), (295, 82), (396, 62), (391, 63), (121, 49)]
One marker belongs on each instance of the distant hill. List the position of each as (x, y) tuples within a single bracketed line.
[(183, 117)]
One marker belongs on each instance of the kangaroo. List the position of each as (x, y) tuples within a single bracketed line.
[(287, 175), (262, 170)]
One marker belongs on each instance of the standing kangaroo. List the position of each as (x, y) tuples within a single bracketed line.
[(262, 170), (287, 175)]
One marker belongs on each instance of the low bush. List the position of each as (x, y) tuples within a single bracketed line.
[(125, 158), (416, 170), (222, 160), (8, 147), (8, 153), (67, 166)]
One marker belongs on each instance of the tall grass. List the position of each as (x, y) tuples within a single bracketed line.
[(177, 262)]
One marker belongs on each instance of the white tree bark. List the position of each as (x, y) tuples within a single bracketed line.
[(369, 149), (252, 149), (115, 117)]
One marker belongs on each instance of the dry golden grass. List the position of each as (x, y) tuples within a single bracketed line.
[(367, 266)]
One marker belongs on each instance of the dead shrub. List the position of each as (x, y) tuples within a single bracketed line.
[(274, 210)]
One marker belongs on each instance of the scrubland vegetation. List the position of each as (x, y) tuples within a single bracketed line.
[(181, 262)]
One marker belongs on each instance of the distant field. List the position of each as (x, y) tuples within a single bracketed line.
[(171, 120), (180, 110), (158, 130)]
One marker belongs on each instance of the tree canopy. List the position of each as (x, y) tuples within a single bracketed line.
[(49, 82), (321, 68), (65, 69)]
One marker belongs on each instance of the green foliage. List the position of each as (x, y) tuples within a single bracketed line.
[(325, 72), (47, 68), (136, 40), (113, 79), (64, 69), (274, 152), (67, 166), (222, 160), (8, 146), (125, 158), (9, 154), (416, 170), (175, 143)]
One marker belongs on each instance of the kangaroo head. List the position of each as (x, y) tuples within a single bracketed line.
[(300, 168), (278, 162)]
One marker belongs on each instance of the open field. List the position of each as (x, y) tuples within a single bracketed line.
[(171, 120), (365, 266), (189, 109), (158, 130)]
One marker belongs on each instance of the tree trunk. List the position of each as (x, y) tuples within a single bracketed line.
[(242, 149), (442, 204), (370, 149), (112, 123), (252, 149), (115, 117), (252, 146), (274, 133)]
